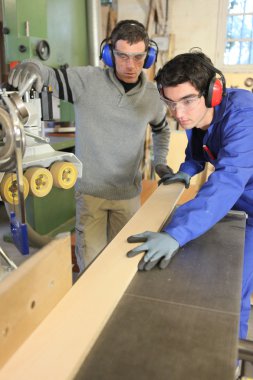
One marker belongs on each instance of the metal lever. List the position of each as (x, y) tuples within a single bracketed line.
[(38, 138), (7, 259), (27, 85)]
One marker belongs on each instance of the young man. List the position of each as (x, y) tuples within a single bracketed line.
[(219, 127), (112, 107)]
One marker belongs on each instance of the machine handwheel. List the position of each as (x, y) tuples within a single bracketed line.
[(64, 174), (40, 181), (9, 188)]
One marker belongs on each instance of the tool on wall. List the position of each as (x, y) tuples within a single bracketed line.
[(109, 18), (157, 28)]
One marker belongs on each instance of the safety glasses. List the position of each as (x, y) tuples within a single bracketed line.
[(187, 103), (137, 57)]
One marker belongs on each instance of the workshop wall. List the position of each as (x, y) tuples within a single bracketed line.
[(187, 22), (190, 24)]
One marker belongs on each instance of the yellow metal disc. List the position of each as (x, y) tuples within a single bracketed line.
[(40, 181), (64, 174), (9, 188)]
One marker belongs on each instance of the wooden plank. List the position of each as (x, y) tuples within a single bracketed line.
[(29, 293), (59, 345), (148, 187)]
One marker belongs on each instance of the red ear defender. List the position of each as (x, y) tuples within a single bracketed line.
[(214, 93)]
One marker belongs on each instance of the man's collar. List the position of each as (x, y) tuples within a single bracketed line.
[(128, 86)]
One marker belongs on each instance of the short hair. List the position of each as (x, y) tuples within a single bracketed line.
[(131, 31), (194, 67)]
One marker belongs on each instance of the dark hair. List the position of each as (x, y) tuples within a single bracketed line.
[(194, 67), (131, 31)]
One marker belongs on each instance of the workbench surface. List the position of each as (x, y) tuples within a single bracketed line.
[(181, 322)]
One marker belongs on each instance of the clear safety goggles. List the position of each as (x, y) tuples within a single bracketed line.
[(186, 103), (137, 57)]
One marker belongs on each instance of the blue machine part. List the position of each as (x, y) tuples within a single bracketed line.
[(19, 234)]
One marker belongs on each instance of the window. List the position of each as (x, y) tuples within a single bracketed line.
[(236, 47)]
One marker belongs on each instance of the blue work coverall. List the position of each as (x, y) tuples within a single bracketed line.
[(229, 141)]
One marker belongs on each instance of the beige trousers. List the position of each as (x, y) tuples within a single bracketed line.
[(97, 222)]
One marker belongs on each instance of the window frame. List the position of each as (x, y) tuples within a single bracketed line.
[(221, 42)]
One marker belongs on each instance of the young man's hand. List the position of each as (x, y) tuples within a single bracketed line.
[(160, 247), (163, 170), (178, 177)]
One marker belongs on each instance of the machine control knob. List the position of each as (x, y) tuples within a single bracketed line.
[(43, 50), (22, 48), (6, 30)]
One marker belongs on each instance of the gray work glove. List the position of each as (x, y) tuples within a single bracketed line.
[(160, 247), (178, 177), (22, 73), (164, 171)]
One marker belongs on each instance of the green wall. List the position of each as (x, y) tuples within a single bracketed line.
[(67, 32), (62, 23)]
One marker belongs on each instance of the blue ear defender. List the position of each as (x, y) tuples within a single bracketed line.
[(106, 54), (151, 57)]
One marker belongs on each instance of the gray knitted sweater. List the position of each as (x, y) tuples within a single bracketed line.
[(110, 127)]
